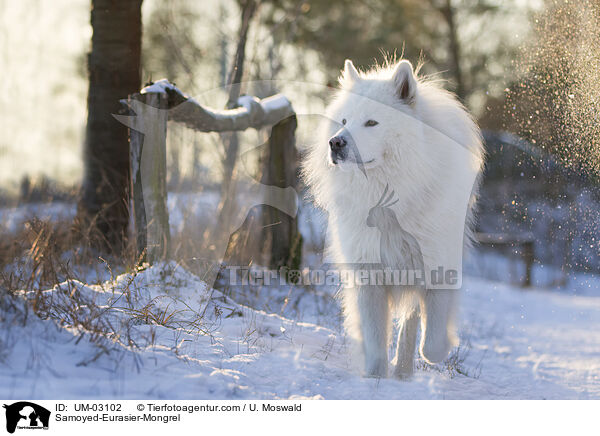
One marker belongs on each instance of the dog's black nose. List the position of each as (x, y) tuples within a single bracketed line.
[(337, 143)]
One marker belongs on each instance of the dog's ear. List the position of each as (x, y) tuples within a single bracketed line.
[(404, 81), (350, 71)]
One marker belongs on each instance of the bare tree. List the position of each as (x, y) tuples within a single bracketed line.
[(231, 140), (266, 231), (455, 61)]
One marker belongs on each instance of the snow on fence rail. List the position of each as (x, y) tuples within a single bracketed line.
[(148, 113)]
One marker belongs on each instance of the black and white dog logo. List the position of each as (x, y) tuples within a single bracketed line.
[(26, 415)]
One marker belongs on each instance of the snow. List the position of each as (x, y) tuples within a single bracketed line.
[(515, 344), (167, 335), (247, 101), (13, 219), (185, 207), (511, 270), (159, 87), (276, 106), (276, 102)]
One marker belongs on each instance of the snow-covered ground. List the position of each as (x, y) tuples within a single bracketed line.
[(162, 333), (515, 344), (12, 219), (498, 267)]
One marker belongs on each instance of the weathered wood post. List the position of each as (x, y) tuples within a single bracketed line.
[(148, 140), (280, 169), (529, 258)]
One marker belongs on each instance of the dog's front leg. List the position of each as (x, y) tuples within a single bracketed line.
[(373, 313)]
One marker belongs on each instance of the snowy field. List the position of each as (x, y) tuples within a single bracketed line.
[(174, 338), (12, 219)]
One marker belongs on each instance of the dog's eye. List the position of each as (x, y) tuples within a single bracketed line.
[(344, 121), (371, 123)]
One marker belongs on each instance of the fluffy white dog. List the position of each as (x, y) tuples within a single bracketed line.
[(396, 168)]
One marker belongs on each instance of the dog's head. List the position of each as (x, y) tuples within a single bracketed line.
[(373, 117)]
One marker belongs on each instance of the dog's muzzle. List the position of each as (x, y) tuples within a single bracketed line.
[(338, 148)]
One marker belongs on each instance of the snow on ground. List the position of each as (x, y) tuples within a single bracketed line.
[(182, 207), (498, 267), (191, 207), (12, 219), (515, 344)]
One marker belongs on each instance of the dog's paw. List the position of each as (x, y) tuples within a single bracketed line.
[(403, 375), (376, 368), (404, 371), (435, 350)]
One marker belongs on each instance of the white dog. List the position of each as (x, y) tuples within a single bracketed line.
[(396, 168)]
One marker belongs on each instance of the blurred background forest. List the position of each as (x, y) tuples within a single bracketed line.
[(528, 70)]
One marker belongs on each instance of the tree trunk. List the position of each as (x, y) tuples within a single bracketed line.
[(230, 139), (114, 73), (449, 14)]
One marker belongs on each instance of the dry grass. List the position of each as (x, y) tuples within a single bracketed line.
[(46, 255), (42, 275)]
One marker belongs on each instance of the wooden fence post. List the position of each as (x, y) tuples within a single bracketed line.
[(280, 169), (529, 258), (148, 142)]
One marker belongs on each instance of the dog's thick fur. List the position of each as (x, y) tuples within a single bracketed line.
[(428, 150)]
